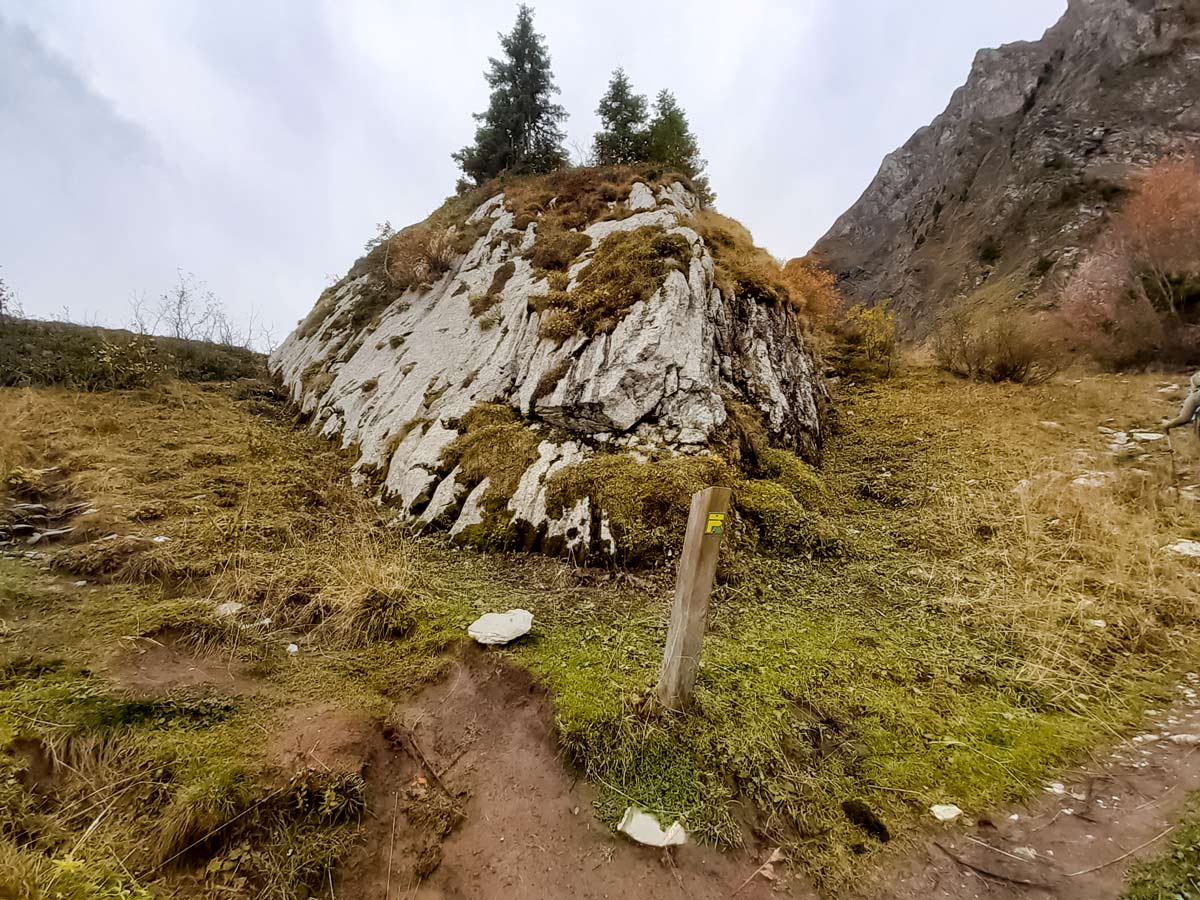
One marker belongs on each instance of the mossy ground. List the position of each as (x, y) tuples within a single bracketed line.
[(946, 656), (1175, 873)]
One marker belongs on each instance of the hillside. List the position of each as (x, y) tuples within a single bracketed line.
[(996, 199), (558, 361), (233, 678)]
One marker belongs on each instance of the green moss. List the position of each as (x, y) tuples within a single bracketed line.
[(1175, 873), (627, 267), (789, 470), (493, 444), (784, 525), (646, 502)]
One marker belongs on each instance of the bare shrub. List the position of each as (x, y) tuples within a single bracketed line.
[(997, 346), (813, 290), (1136, 298)]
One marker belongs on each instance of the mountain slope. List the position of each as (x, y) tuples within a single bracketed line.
[(996, 198)]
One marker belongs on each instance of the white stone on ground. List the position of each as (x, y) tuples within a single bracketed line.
[(500, 628), (945, 812), (644, 829)]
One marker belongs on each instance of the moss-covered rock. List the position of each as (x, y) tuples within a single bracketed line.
[(783, 524), (793, 474), (493, 444), (645, 502), (627, 267)]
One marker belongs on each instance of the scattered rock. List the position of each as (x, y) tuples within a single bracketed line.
[(1148, 436), (1185, 740), (292, 648), (644, 829), (500, 628), (1185, 548), (1026, 853), (945, 812), (160, 539), (1097, 623), (228, 608), (1092, 479)]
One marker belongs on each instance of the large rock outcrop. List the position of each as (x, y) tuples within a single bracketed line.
[(997, 197), (478, 342)]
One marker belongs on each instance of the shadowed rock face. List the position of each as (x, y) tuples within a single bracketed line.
[(995, 199), (396, 387)]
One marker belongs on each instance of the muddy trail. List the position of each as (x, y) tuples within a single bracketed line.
[(468, 798), (1077, 840)]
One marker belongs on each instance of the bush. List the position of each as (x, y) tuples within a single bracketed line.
[(1136, 298), (995, 347), (865, 340), (99, 359)]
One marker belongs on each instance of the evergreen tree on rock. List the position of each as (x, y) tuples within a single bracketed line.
[(673, 145), (623, 137), (520, 131)]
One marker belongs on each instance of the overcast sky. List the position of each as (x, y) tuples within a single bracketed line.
[(256, 143)]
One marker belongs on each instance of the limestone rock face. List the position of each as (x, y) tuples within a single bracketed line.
[(998, 195), (396, 386)]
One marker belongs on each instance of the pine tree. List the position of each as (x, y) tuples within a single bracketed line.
[(673, 145), (623, 137), (520, 131)]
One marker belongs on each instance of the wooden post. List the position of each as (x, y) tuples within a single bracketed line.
[(697, 570)]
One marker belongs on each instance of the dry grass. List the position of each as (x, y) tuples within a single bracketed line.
[(240, 517), (741, 267)]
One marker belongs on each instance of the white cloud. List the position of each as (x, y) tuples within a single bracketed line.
[(257, 144)]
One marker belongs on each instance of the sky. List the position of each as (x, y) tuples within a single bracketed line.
[(256, 143)]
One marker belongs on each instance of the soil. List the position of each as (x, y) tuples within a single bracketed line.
[(326, 737), (1083, 832), (472, 800), (158, 664)]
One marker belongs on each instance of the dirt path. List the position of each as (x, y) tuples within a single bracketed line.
[(1076, 841), (490, 811)]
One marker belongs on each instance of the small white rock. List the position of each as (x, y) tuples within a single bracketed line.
[(1097, 623), (1148, 436), (80, 584), (945, 812), (1027, 853), (292, 648), (500, 628), (1185, 548), (160, 539), (1185, 740), (644, 829), (1056, 787), (227, 609)]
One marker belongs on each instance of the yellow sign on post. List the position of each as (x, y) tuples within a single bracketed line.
[(697, 571)]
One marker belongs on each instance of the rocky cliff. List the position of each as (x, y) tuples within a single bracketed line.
[(996, 198), (491, 365)]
